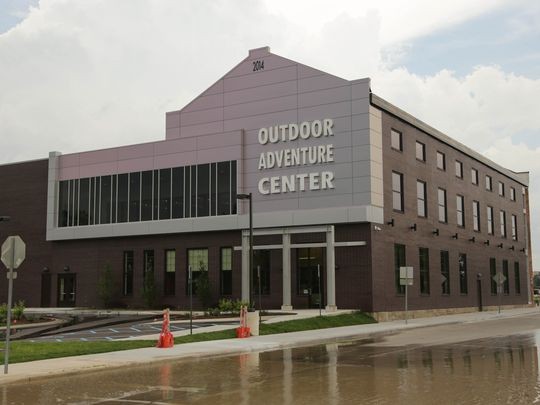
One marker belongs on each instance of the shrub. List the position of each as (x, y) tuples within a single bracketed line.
[(149, 289), (18, 310), (105, 293)]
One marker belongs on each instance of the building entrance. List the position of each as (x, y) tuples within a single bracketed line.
[(310, 275), (66, 290)]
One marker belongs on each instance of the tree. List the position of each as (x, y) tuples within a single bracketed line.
[(203, 286), (149, 289)]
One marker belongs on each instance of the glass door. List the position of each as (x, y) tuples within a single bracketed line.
[(66, 290)]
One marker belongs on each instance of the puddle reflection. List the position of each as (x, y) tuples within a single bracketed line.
[(487, 371)]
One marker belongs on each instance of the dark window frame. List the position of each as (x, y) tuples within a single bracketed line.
[(393, 133)]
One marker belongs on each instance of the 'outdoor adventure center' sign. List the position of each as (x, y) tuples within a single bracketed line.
[(299, 156)]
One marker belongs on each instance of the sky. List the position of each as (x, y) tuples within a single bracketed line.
[(80, 75)]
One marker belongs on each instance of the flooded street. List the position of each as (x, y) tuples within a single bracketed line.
[(493, 362)]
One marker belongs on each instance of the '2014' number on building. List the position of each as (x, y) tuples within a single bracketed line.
[(258, 65)]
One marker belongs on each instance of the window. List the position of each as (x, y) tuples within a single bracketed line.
[(420, 151), (396, 140), (105, 196), (517, 278), (224, 185), (462, 261), (474, 176), (147, 195), (226, 271), (501, 189), (503, 223), (84, 204), (514, 227), (203, 190), (178, 192), (123, 187), (459, 169), (421, 201), (397, 191), (308, 266), (506, 284), (512, 194), (489, 183), (423, 259), (169, 280), (441, 197), (148, 270), (198, 265), (441, 161), (445, 272), (165, 194), (489, 220), (476, 215), (460, 210), (399, 261), (134, 196), (63, 203), (127, 284), (261, 272), (492, 273)]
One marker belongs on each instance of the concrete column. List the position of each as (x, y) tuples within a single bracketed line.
[(286, 271), (52, 194), (245, 266), (330, 270)]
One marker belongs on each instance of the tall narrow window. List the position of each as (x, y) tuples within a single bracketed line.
[(165, 194), (503, 223), (203, 190), (226, 271), (517, 278), (224, 186), (489, 183), (155, 195), (420, 151), (396, 140), (474, 176), (441, 196), (492, 273), (261, 272), (489, 220), (135, 196), (233, 187), (84, 201), (459, 169), (423, 259), (506, 284), (148, 270), (127, 285), (63, 203), (460, 210), (187, 191), (198, 263), (178, 192), (147, 195), (501, 188), (397, 191), (114, 199), (91, 215), (514, 227), (399, 261), (105, 196), (476, 215), (75, 202), (462, 262), (194, 191), (170, 272), (512, 194), (123, 186), (445, 272), (421, 200), (441, 161)]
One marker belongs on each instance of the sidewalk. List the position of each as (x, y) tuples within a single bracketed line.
[(21, 372)]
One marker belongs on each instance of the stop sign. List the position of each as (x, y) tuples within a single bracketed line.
[(13, 252)]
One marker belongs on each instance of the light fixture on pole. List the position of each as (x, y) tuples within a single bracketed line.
[(250, 199)]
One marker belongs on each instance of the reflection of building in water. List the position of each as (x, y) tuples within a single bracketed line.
[(345, 188)]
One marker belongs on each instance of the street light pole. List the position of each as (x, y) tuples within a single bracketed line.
[(250, 199)]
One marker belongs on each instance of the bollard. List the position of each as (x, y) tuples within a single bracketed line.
[(166, 339)]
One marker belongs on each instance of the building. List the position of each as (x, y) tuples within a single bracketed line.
[(344, 185)]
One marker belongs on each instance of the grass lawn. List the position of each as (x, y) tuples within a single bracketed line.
[(21, 351)]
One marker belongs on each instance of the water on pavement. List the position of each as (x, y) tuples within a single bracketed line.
[(492, 369)]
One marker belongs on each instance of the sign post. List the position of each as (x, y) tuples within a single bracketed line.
[(499, 278), (13, 254), (406, 279)]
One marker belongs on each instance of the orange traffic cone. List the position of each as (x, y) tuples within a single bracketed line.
[(166, 339), (243, 331)]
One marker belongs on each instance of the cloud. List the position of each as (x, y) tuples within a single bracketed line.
[(79, 75)]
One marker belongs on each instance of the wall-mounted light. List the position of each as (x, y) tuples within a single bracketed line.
[(377, 228), (500, 245), (486, 242), (413, 227), (511, 247), (391, 222), (455, 236), (435, 232), (66, 268), (45, 269), (473, 239), (522, 250)]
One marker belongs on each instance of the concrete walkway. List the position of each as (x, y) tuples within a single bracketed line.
[(21, 372)]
